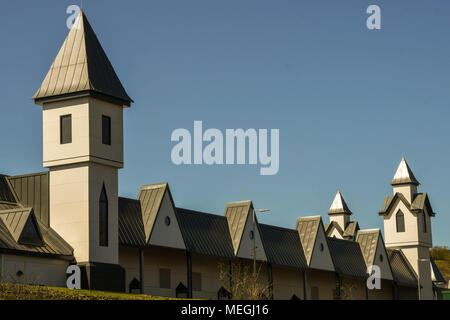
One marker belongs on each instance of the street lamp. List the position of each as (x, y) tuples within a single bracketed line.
[(253, 236), (418, 276)]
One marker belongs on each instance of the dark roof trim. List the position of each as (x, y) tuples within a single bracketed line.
[(82, 94)]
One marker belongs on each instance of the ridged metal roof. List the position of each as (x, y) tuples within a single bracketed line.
[(339, 206), (351, 230), (347, 257), (401, 270), (307, 228), (236, 214), (404, 175), (151, 197), (131, 226), (368, 240), (436, 275), (6, 194), (81, 66), (15, 220), (283, 246), (205, 233), (419, 204)]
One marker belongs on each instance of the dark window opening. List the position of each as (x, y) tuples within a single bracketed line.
[(223, 294), (103, 218), (424, 222), (164, 278), (66, 129), (106, 130), (400, 221), (181, 291), (30, 234)]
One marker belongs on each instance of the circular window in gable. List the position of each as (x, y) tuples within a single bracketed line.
[(321, 247), (167, 221)]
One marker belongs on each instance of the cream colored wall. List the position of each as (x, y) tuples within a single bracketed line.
[(86, 133), (321, 259), (208, 267), (163, 235), (75, 193), (156, 258), (422, 268), (385, 293), (246, 246), (384, 265), (324, 280), (394, 238), (129, 260), (40, 271), (407, 190), (286, 283), (341, 219)]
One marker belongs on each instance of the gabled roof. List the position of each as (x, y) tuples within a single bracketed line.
[(307, 228), (82, 68), (436, 274), (339, 206), (404, 175), (205, 233), (21, 224), (151, 197), (6, 194), (283, 246), (368, 241), (401, 269), (236, 214), (131, 226), (347, 257), (351, 230), (418, 205), (330, 227)]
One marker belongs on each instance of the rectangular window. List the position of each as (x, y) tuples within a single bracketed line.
[(196, 281), (424, 222), (106, 130), (314, 293), (66, 129), (164, 278)]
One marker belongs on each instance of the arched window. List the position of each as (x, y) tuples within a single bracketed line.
[(103, 218), (424, 222), (400, 220)]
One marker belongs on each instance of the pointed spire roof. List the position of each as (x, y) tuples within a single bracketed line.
[(82, 68), (404, 175), (339, 206)]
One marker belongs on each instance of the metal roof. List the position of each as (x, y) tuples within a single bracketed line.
[(419, 204), (436, 273), (307, 228), (205, 233), (283, 246), (401, 270), (82, 67), (347, 257), (32, 190), (339, 206), (404, 175), (351, 230), (236, 214), (6, 194), (131, 226), (329, 227), (15, 220), (368, 241), (151, 197)]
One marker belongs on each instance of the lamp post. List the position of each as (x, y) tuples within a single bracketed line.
[(254, 243), (418, 276)]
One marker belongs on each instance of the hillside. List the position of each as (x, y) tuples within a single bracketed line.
[(441, 256)]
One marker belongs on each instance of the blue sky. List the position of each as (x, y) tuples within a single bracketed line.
[(349, 102)]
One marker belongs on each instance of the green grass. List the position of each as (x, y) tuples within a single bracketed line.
[(34, 292), (441, 256)]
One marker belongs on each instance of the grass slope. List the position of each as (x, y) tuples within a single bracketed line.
[(33, 292), (441, 256)]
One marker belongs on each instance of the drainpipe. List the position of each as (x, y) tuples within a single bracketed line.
[(395, 288), (305, 297), (269, 269), (338, 287), (141, 269), (189, 273)]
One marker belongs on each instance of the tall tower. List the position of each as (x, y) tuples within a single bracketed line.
[(407, 224), (82, 103), (339, 211)]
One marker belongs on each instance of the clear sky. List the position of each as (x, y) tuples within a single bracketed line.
[(349, 102)]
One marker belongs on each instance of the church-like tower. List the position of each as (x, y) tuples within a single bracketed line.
[(82, 101), (407, 224)]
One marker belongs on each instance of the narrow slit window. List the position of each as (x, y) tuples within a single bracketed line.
[(66, 129), (103, 218), (424, 222), (106, 130), (400, 221)]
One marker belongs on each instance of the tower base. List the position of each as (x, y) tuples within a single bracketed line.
[(102, 276)]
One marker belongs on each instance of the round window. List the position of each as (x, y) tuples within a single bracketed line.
[(252, 235), (321, 247), (167, 221)]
